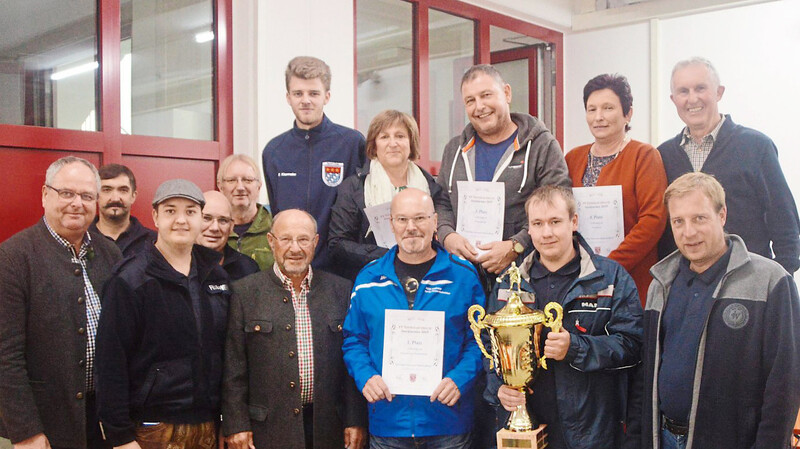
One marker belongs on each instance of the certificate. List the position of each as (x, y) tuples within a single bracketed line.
[(600, 219), (481, 210), (380, 223), (413, 348)]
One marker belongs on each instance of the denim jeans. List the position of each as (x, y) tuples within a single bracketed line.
[(671, 441), (462, 441)]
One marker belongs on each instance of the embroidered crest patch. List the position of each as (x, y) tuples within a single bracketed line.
[(735, 316), (332, 173)]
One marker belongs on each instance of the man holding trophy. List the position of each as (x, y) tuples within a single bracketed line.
[(581, 396), (406, 340)]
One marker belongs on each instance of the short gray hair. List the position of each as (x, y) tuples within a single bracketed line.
[(692, 61), (483, 69), (56, 166)]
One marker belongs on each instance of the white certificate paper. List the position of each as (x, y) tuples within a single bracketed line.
[(413, 348), (481, 210), (600, 219), (380, 223)]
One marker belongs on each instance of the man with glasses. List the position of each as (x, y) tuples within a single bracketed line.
[(217, 225), (239, 180), (51, 275), (417, 275), (285, 384), (117, 195), (303, 166)]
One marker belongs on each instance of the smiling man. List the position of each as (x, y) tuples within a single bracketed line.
[(515, 149), (217, 226), (417, 275), (161, 335), (582, 395), (239, 180), (117, 195), (303, 166), (720, 334), (285, 382), (51, 278), (761, 208)]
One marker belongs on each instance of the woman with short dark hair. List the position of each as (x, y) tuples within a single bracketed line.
[(615, 159)]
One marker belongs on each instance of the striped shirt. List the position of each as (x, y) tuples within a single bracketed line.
[(302, 326)]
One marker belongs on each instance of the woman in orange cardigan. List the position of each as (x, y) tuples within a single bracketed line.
[(615, 159)]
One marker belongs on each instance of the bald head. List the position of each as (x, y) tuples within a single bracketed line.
[(217, 221), (293, 217), (413, 224)]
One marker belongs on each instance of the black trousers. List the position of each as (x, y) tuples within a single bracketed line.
[(308, 425)]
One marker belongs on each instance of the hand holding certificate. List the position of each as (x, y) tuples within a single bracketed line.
[(380, 223), (413, 348), (481, 211)]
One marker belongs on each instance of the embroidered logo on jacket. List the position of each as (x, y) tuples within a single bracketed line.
[(735, 316), (332, 173), (217, 288)]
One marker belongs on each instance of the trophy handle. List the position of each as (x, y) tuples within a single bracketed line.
[(476, 326), (553, 322)]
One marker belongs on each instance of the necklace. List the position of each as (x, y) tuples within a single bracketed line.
[(625, 140)]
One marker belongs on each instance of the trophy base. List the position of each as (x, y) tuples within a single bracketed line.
[(532, 439)]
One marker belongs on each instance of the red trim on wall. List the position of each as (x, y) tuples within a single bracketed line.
[(110, 37), (531, 55), (224, 90)]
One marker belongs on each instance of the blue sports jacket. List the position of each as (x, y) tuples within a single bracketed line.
[(451, 286)]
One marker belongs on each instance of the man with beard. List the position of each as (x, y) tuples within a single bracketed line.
[(417, 275), (117, 195), (217, 225)]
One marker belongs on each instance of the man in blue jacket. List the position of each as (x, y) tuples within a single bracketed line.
[(582, 397), (416, 275), (303, 166)]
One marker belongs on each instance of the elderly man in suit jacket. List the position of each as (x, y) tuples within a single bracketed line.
[(285, 383), (51, 275)]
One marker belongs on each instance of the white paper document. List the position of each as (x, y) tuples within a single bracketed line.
[(380, 223), (481, 211), (413, 351), (600, 218)]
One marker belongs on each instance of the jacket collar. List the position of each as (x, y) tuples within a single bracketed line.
[(315, 131), (528, 128), (665, 271), (588, 269), (204, 258), (384, 266)]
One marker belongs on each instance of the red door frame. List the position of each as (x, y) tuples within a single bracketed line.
[(531, 55), (109, 145), (483, 19)]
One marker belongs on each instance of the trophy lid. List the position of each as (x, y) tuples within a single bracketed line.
[(515, 313)]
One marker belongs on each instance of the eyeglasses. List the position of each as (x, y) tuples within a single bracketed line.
[(302, 242), (235, 180), (418, 220), (69, 195), (222, 221)]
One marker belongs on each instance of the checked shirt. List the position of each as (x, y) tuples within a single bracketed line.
[(302, 325), (698, 152), (92, 300)]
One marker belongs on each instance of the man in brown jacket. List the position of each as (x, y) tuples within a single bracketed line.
[(285, 384), (51, 275)]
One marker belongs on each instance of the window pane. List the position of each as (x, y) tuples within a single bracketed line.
[(167, 68), (515, 73), (452, 48), (48, 64), (384, 49)]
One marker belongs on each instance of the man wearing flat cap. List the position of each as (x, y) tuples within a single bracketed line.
[(161, 335)]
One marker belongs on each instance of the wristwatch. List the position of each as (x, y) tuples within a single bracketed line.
[(517, 246)]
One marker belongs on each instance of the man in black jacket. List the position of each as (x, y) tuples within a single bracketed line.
[(285, 383), (217, 226), (161, 335), (51, 275)]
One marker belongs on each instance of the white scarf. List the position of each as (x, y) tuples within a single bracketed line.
[(378, 189)]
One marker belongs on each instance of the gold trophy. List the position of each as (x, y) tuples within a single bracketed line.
[(515, 332)]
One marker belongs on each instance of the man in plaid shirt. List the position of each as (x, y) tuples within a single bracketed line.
[(285, 382)]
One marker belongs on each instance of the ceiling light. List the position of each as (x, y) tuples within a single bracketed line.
[(204, 36), (88, 67)]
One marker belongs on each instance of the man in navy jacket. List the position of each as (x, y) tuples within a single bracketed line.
[(303, 166)]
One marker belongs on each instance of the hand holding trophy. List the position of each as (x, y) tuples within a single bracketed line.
[(517, 354)]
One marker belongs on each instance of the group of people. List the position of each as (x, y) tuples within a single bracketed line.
[(260, 326)]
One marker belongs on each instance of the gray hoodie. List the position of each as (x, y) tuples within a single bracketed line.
[(534, 159)]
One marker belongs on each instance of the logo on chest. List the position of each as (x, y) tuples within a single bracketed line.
[(332, 173), (735, 316)]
